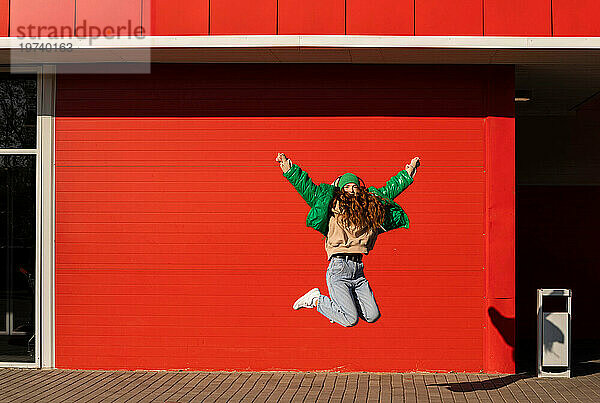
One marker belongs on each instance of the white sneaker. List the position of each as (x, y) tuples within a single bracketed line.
[(308, 300)]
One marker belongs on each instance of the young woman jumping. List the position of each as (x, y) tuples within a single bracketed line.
[(350, 216)]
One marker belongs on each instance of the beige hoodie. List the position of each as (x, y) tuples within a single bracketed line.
[(341, 239)]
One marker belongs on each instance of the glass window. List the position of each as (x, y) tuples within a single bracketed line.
[(18, 184), (18, 110)]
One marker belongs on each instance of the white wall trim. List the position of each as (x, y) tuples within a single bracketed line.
[(337, 41), (48, 83)]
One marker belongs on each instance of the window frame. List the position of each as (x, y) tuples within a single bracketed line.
[(45, 218)]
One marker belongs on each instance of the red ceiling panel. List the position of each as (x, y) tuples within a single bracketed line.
[(241, 17), (576, 18), (182, 17), (94, 18), (4, 13), (43, 16), (380, 17), (517, 18), (311, 17), (458, 17)]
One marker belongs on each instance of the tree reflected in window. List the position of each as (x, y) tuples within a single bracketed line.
[(18, 111), (18, 183)]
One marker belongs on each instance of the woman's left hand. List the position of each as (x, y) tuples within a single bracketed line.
[(284, 162)]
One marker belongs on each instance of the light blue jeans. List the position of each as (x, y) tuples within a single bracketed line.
[(350, 295)]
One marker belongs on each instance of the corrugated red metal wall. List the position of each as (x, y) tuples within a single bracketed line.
[(179, 244)]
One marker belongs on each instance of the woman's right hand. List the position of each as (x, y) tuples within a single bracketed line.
[(284, 162), (412, 167)]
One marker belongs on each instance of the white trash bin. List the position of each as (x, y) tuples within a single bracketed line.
[(554, 334)]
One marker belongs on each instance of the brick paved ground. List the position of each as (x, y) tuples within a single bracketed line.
[(18, 385)]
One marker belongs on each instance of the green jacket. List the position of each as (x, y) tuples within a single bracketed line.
[(319, 197)]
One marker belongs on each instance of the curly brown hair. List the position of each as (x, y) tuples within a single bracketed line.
[(362, 210)]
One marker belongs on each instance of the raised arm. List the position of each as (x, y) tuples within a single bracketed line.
[(400, 181), (299, 179)]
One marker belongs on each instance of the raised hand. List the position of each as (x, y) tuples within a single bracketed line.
[(284, 162), (412, 167)]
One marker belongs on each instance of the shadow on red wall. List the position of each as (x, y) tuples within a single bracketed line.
[(505, 325), (284, 90)]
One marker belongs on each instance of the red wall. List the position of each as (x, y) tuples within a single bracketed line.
[(324, 17), (179, 244)]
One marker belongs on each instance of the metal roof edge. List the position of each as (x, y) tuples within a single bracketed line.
[(310, 41)]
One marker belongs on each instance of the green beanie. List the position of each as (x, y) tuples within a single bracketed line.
[(348, 178)]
